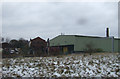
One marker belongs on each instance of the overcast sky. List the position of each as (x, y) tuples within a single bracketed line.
[(50, 19)]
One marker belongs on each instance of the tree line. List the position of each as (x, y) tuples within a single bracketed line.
[(21, 47)]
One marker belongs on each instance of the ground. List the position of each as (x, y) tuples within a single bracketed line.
[(73, 65)]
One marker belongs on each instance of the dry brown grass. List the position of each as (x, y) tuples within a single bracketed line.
[(94, 54)]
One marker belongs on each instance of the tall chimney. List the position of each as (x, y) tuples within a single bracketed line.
[(107, 32)]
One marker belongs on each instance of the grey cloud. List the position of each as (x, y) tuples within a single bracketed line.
[(50, 19)]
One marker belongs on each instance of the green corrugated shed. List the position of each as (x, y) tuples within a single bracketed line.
[(80, 42)]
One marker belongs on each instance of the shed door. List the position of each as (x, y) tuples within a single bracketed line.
[(65, 49)]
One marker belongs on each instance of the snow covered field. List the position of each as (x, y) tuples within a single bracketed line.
[(74, 65)]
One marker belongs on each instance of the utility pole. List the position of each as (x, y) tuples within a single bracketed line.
[(48, 45)]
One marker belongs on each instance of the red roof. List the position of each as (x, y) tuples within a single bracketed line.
[(38, 38)]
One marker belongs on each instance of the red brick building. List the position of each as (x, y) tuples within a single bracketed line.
[(38, 46)]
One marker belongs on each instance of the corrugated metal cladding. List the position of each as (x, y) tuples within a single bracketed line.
[(80, 42)]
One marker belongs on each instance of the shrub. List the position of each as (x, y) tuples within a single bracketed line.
[(89, 48)]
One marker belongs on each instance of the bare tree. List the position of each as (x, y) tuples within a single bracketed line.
[(2, 39), (7, 39), (21, 39)]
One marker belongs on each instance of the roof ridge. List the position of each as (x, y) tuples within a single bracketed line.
[(87, 36)]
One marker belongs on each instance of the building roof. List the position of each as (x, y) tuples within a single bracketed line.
[(38, 38), (86, 36)]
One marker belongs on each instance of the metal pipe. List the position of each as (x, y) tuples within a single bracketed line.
[(112, 44), (107, 32)]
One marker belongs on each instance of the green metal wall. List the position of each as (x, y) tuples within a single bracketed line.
[(117, 45), (62, 40), (80, 42), (102, 43)]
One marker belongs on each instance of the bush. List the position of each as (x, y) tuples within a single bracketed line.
[(98, 50), (90, 48)]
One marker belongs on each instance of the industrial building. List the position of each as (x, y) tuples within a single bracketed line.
[(78, 43)]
